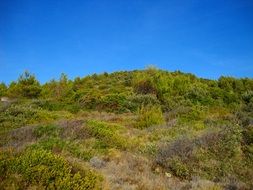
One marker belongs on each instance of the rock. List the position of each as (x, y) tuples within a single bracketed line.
[(5, 99), (97, 162), (168, 175), (157, 170)]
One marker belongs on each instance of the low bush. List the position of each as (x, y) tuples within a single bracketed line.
[(178, 168), (247, 96), (136, 101), (54, 105), (194, 113), (6, 158), (182, 148), (18, 138), (72, 129), (148, 116), (215, 153), (107, 133), (113, 103), (58, 145), (21, 114), (38, 166), (17, 115), (46, 130)]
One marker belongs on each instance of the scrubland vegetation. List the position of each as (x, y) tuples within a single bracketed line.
[(149, 129)]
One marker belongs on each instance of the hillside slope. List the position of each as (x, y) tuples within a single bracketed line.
[(149, 129)]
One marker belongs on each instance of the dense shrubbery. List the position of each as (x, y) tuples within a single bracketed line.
[(44, 169), (124, 91)]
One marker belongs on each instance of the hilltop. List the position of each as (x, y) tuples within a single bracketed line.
[(142, 129)]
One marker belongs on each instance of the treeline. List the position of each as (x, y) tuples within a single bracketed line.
[(128, 91)]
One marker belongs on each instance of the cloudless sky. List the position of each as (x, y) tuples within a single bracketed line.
[(78, 37)]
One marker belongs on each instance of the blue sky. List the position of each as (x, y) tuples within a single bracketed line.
[(80, 37)]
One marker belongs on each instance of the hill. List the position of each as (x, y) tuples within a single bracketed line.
[(142, 129)]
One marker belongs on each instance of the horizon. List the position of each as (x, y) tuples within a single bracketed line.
[(207, 39), (57, 78)]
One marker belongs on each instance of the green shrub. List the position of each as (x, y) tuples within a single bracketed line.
[(106, 133), (194, 113), (38, 166), (54, 105), (247, 96), (230, 98), (248, 135), (90, 100), (56, 144), (113, 103), (145, 86), (3, 89), (215, 153), (179, 168), (27, 86), (6, 157), (49, 144), (23, 113), (47, 130), (148, 116), (136, 101), (17, 115), (198, 93)]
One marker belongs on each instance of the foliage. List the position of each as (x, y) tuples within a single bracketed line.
[(50, 171), (136, 101), (107, 133), (27, 86), (126, 91), (114, 103), (247, 96), (3, 89), (215, 153), (60, 145), (47, 130), (23, 113), (149, 116)]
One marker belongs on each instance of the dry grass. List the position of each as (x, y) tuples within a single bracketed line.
[(19, 138), (72, 129), (200, 184), (128, 171), (125, 119)]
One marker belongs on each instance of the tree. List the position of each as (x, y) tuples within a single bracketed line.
[(3, 89), (28, 86)]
